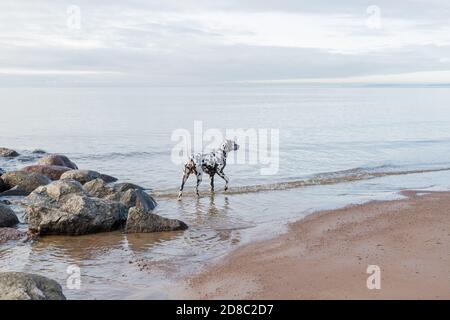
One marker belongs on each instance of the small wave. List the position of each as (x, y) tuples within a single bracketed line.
[(111, 155), (327, 178)]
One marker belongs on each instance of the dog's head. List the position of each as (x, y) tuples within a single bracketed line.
[(230, 145)]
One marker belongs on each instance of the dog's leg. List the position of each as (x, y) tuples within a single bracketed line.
[(224, 177), (212, 183), (183, 181), (199, 180)]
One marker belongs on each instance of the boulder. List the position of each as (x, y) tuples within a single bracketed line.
[(143, 221), (138, 199), (84, 176), (97, 188), (7, 234), (124, 186), (58, 189), (26, 286), (38, 151), (16, 191), (75, 215), (134, 198), (81, 176), (57, 160), (8, 153), (108, 178), (7, 217), (24, 181), (3, 186), (52, 172)]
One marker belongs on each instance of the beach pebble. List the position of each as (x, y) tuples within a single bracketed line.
[(26, 286), (57, 160)]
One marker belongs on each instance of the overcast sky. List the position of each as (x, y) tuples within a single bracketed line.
[(213, 41)]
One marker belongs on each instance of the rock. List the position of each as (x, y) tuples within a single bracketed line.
[(84, 176), (64, 208), (97, 188), (58, 189), (50, 195), (24, 181), (8, 153), (2, 171), (38, 151), (7, 202), (124, 186), (26, 286), (134, 198), (138, 199), (108, 178), (16, 192), (75, 215), (57, 160), (81, 176), (7, 217), (7, 234), (52, 172), (3, 186), (142, 221)]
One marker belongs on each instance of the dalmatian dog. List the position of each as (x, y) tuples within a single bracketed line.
[(210, 163)]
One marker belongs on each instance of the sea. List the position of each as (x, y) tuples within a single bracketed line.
[(329, 147)]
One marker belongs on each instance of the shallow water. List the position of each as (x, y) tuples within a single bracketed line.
[(337, 146)]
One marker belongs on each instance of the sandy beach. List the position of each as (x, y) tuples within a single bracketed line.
[(326, 255)]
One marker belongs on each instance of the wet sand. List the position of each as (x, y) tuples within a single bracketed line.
[(326, 255)]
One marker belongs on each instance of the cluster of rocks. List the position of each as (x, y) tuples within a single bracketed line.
[(61, 199)]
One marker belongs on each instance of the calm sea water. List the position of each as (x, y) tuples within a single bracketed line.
[(337, 146)]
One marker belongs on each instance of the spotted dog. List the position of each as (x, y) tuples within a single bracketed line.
[(211, 163)]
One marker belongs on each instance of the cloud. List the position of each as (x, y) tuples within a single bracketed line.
[(175, 42)]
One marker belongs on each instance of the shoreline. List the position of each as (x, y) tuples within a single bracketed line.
[(326, 254)]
